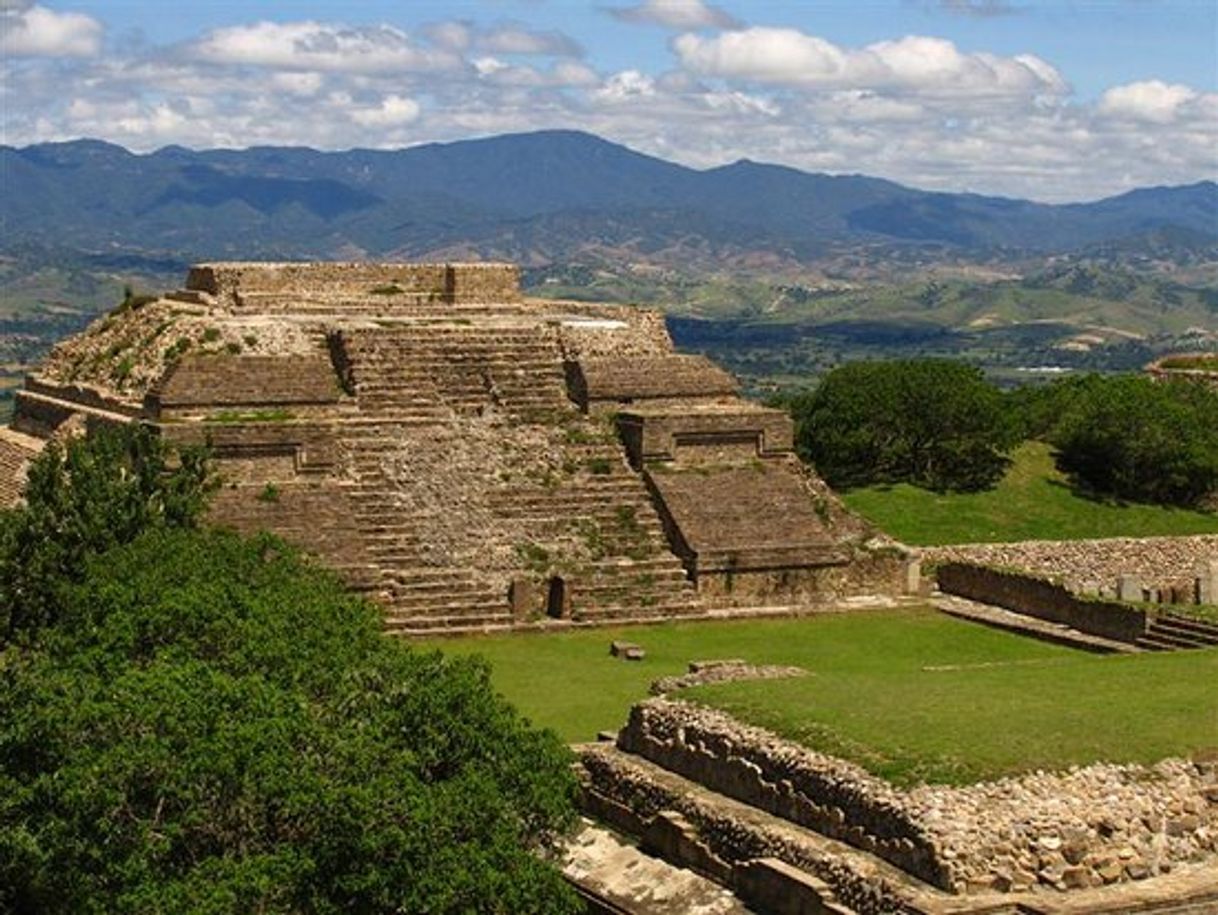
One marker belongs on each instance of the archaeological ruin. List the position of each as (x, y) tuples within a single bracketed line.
[(471, 458), (477, 460)]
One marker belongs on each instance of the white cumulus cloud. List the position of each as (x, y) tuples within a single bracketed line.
[(321, 46), (1151, 100), (914, 63), (676, 14), (392, 111), (27, 30)]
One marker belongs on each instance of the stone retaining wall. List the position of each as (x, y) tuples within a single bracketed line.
[(718, 843), (1087, 827), (1091, 565), (1042, 599)]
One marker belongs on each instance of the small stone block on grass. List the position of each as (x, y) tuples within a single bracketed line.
[(627, 650)]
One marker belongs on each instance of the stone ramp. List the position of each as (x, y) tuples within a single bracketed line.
[(1022, 624)]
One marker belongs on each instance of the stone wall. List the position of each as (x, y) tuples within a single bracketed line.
[(1042, 599), (231, 282), (808, 586), (1091, 826), (714, 841), (703, 431), (1091, 565)]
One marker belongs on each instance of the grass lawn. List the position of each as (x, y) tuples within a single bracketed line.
[(1032, 502), (1004, 704)]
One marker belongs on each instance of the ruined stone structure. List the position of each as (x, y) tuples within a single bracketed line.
[(794, 830), (471, 458)]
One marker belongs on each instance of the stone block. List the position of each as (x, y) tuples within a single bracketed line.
[(620, 649), (524, 597), (1129, 588), (1207, 582)]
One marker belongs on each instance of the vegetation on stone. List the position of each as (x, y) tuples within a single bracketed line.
[(931, 422)]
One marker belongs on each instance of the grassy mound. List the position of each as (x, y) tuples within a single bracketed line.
[(1032, 502), (910, 695)]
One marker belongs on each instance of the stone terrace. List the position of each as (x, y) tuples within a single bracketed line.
[(471, 458)]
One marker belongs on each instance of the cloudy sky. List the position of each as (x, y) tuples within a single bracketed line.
[(1048, 99)]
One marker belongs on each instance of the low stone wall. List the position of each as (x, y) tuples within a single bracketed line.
[(723, 671), (811, 585), (1042, 599), (462, 283), (1091, 565), (1087, 827)]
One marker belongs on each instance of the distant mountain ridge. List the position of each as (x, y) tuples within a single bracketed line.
[(536, 198)]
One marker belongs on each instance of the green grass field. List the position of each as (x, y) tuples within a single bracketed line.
[(1033, 502), (912, 695)]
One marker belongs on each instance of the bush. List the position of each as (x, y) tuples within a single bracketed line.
[(212, 725), (1132, 438), (934, 423), (97, 493)]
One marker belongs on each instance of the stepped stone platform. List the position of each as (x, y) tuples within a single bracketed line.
[(792, 830), (471, 458)]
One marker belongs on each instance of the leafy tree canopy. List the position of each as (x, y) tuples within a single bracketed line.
[(199, 722), (935, 423), (1133, 438), (214, 726), (82, 499)]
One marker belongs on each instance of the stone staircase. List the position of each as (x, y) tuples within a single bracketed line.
[(631, 572), (417, 593), (1172, 632), (466, 369)]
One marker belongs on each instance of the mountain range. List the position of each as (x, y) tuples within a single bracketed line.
[(537, 198)]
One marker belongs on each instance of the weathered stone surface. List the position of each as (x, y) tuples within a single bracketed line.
[(1082, 828), (425, 412)]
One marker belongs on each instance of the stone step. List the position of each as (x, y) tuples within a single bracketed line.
[(457, 624), (1167, 636), (1155, 643), (1188, 624)]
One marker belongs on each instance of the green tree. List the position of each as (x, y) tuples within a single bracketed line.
[(211, 724), (97, 492), (1130, 437), (935, 423)]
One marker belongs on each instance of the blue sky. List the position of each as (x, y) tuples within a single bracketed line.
[(1061, 100)]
